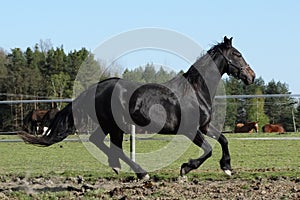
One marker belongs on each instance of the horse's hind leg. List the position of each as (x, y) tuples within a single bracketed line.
[(225, 160), (97, 138), (115, 151), (200, 141), (116, 139)]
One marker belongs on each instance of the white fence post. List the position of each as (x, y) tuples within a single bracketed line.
[(132, 142)]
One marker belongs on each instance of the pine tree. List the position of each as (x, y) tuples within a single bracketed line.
[(279, 109), (256, 110), (149, 73), (232, 87)]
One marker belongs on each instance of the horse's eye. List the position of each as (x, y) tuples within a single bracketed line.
[(238, 54)]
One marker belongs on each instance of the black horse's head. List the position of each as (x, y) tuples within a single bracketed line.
[(235, 63)]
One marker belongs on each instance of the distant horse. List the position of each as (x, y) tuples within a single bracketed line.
[(246, 128), (269, 128), (47, 119), (32, 120), (35, 121), (182, 105)]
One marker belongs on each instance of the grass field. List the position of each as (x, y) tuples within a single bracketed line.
[(248, 156), (251, 159)]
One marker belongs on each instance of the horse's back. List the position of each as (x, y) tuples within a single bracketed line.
[(239, 125), (246, 128), (269, 128)]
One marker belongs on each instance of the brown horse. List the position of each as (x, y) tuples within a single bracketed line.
[(32, 120), (269, 128), (246, 128), (36, 120)]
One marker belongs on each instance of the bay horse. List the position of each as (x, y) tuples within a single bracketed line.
[(269, 128), (183, 105), (35, 121), (46, 120), (32, 120), (246, 128)]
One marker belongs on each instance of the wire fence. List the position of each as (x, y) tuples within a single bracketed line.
[(67, 100), (295, 97)]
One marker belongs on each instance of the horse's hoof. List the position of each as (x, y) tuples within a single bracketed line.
[(143, 176), (183, 172), (228, 172), (116, 170), (182, 179), (146, 177)]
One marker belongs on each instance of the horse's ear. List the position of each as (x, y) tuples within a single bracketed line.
[(228, 42)]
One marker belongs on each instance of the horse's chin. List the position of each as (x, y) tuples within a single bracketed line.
[(247, 80)]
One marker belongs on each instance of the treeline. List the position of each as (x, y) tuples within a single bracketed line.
[(41, 72), (148, 74), (44, 72), (282, 110)]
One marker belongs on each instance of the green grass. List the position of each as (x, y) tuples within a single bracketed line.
[(262, 135), (64, 158), (250, 158)]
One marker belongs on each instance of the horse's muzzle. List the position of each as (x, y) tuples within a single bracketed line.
[(247, 75)]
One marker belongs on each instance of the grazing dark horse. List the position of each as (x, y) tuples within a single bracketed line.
[(182, 105), (32, 121), (246, 128), (269, 128)]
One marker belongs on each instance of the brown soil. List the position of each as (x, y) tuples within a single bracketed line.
[(78, 188)]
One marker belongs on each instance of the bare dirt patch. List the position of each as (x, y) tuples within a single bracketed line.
[(129, 188)]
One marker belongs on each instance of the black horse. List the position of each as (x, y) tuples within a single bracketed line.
[(182, 105)]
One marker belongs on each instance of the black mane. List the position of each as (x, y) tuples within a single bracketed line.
[(215, 48), (197, 73)]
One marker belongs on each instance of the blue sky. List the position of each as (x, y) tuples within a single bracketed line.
[(266, 32)]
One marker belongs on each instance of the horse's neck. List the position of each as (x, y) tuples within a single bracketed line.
[(207, 73)]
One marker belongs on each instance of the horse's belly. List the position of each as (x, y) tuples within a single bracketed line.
[(157, 121)]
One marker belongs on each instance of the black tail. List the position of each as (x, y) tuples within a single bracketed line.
[(61, 126)]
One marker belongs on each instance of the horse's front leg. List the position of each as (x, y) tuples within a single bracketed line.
[(200, 141), (225, 160)]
